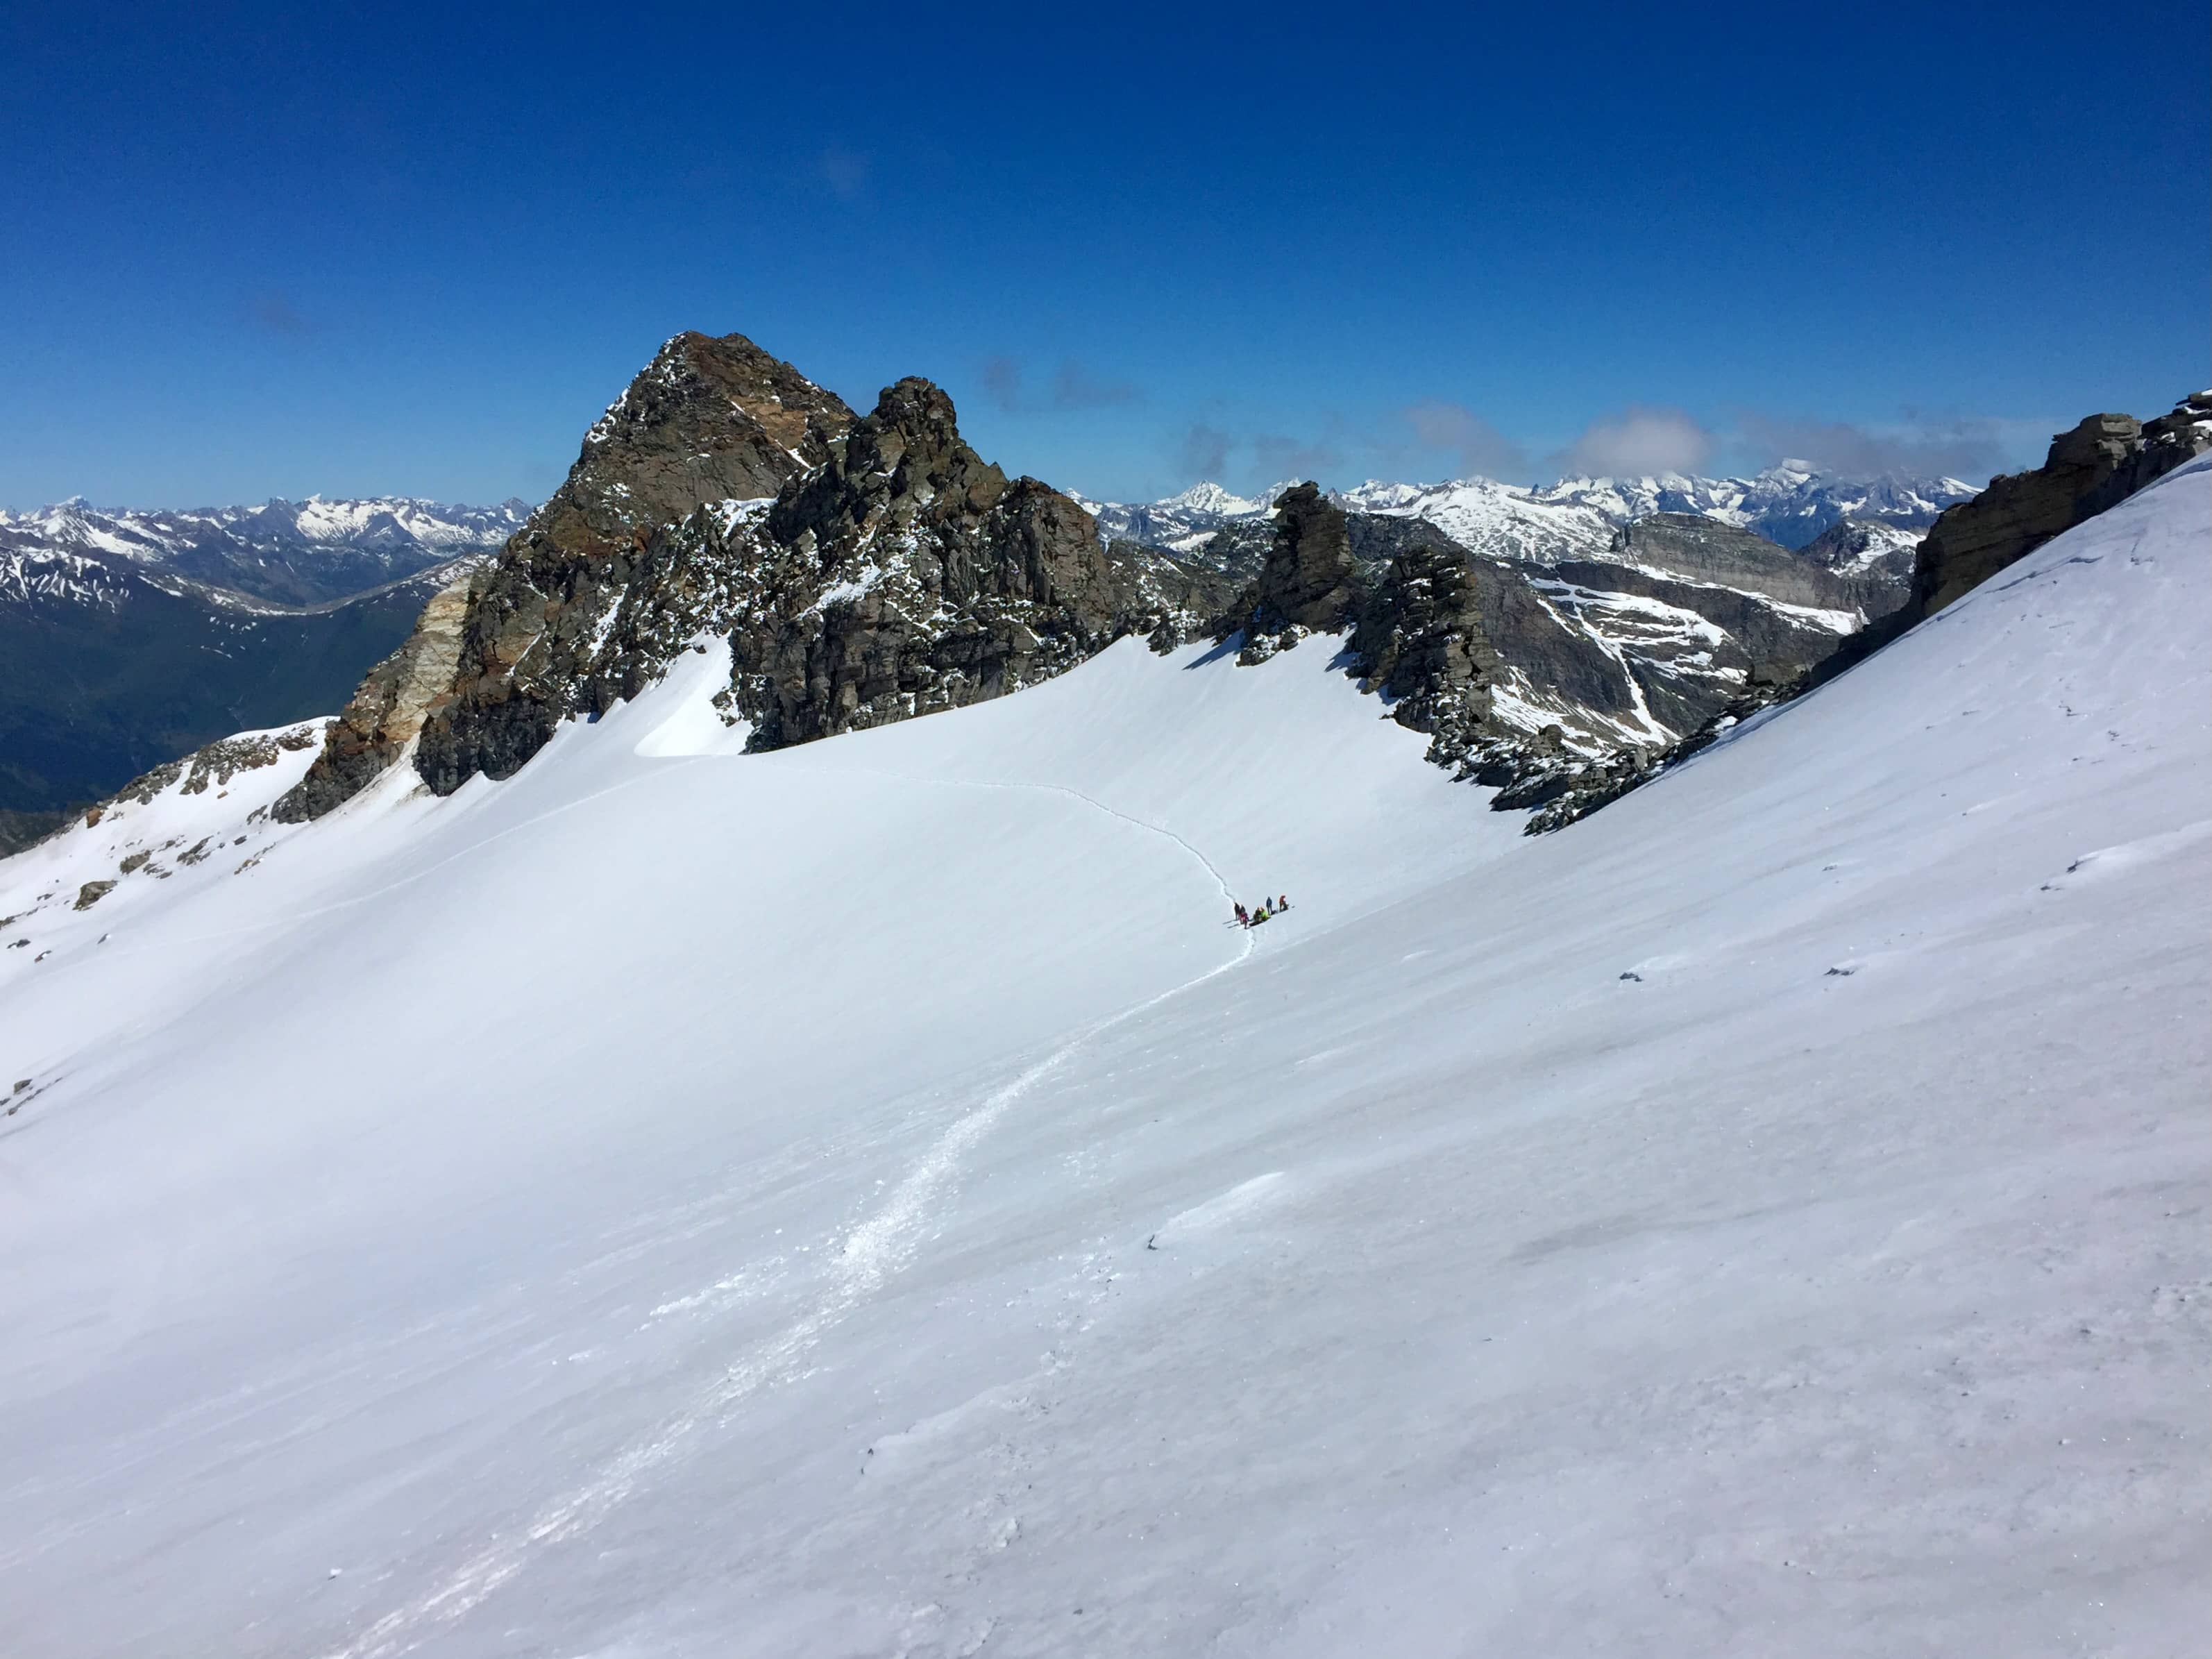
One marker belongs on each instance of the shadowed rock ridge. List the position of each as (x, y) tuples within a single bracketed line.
[(911, 576), (2101, 462)]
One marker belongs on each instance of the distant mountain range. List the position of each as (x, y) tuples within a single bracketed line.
[(1792, 504), (865, 569), (296, 553), (128, 637)]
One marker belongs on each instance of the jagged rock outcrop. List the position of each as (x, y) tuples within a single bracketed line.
[(387, 711), (1423, 644), (1310, 580), (1303, 578), (707, 421), (907, 575), (2098, 465), (1553, 680)]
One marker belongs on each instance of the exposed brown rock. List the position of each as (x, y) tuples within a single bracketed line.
[(2098, 465), (2017, 514), (388, 711), (707, 421)]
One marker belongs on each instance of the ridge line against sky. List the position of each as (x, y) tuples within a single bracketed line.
[(408, 251)]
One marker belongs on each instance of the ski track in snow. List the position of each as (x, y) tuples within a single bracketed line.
[(874, 1250)]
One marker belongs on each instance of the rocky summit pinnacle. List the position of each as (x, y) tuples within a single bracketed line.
[(1308, 580), (707, 420), (862, 571)]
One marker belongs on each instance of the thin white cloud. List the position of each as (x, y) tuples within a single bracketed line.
[(1637, 444), (1478, 449)]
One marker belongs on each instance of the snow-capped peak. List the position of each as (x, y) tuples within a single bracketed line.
[(1206, 496), (293, 552), (1791, 502)]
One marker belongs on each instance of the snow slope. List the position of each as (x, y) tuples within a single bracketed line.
[(861, 1200)]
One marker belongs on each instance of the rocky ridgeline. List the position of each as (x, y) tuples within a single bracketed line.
[(909, 575), (2100, 464), (903, 576), (213, 766), (1536, 679), (861, 569), (867, 569)]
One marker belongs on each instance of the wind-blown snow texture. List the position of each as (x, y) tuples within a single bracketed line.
[(862, 1198)]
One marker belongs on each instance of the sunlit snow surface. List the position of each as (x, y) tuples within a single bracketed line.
[(865, 1200)]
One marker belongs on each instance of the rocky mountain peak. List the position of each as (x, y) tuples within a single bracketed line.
[(693, 372), (708, 420), (903, 462)]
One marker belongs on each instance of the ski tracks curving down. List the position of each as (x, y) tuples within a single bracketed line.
[(875, 1249)]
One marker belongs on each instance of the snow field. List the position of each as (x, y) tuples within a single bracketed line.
[(863, 1200)]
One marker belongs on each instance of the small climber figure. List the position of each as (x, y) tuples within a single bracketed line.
[(1283, 902), (1243, 917)]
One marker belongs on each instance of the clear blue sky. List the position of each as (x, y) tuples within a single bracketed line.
[(253, 252)]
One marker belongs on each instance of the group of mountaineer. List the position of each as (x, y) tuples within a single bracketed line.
[(1273, 906)]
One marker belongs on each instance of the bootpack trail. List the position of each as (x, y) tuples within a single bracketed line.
[(870, 1254)]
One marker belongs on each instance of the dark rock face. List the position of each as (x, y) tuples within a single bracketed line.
[(2179, 436), (1875, 557), (707, 421), (1424, 642), (1535, 678), (1310, 579), (1706, 551), (1308, 582), (2100, 464), (2019, 512), (1554, 681), (907, 575)]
